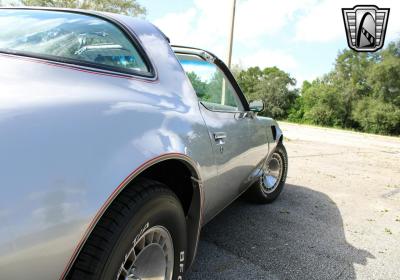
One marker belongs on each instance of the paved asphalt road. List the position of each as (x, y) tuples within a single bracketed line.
[(337, 218)]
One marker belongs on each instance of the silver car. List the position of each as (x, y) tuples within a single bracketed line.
[(116, 148)]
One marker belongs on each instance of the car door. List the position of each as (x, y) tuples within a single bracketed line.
[(227, 120)]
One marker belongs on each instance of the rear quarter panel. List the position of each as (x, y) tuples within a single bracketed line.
[(69, 138)]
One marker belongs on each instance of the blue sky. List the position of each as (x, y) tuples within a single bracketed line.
[(301, 37)]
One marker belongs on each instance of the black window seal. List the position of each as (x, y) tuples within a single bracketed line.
[(151, 74)]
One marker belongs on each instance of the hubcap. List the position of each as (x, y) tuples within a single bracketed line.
[(272, 173), (150, 258)]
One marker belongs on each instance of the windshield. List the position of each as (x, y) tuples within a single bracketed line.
[(68, 37)]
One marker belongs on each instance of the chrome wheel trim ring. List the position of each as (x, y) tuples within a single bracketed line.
[(272, 174), (150, 258)]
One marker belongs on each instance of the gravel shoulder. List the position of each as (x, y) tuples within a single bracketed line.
[(337, 218)]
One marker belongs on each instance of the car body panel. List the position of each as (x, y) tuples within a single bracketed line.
[(72, 136), (228, 155)]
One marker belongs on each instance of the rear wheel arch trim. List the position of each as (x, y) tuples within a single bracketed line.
[(196, 179)]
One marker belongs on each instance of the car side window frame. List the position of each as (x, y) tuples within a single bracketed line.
[(229, 77), (151, 74)]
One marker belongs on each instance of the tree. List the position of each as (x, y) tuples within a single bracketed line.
[(199, 86), (248, 79), (127, 7), (297, 111), (377, 116), (361, 92), (384, 76), (276, 88), (350, 77), (323, 104)]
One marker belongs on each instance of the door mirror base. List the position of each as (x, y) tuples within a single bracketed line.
[(256, 106)]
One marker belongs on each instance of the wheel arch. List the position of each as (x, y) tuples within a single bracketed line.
[(193, 209), (277, 133), (188, 188)]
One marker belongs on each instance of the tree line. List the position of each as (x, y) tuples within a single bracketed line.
[(126, 7), (361, 92)]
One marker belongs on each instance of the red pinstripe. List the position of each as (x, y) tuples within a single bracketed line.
[(94, 221), (75, 68)]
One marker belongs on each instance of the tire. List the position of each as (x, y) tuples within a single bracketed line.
[(144, 218), (263, 191)]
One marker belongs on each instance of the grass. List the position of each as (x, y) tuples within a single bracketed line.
[(392, 186), (388, 231), (352, 130)]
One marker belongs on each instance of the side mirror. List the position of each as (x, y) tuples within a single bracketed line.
[(256, 106)]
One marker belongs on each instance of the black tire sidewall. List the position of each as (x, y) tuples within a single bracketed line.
[(256, 192), (162, 210)]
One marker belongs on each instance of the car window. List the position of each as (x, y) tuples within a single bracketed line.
[(212, 87), (68, 37)]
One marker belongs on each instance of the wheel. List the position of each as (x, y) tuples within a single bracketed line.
[(273, 178), (141, 236)]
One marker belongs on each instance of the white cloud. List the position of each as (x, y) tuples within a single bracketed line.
[(200, 26), (323, 22), (177, 26), (269, 58), (279, 58), (257, 18), (206, 25)]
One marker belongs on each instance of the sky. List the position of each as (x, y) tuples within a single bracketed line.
[(302, 37)]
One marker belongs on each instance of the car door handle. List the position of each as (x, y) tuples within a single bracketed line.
[(245, 115), (219, 137)]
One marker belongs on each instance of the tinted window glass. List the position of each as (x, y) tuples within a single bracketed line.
[(212, 87), (68, 36)]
